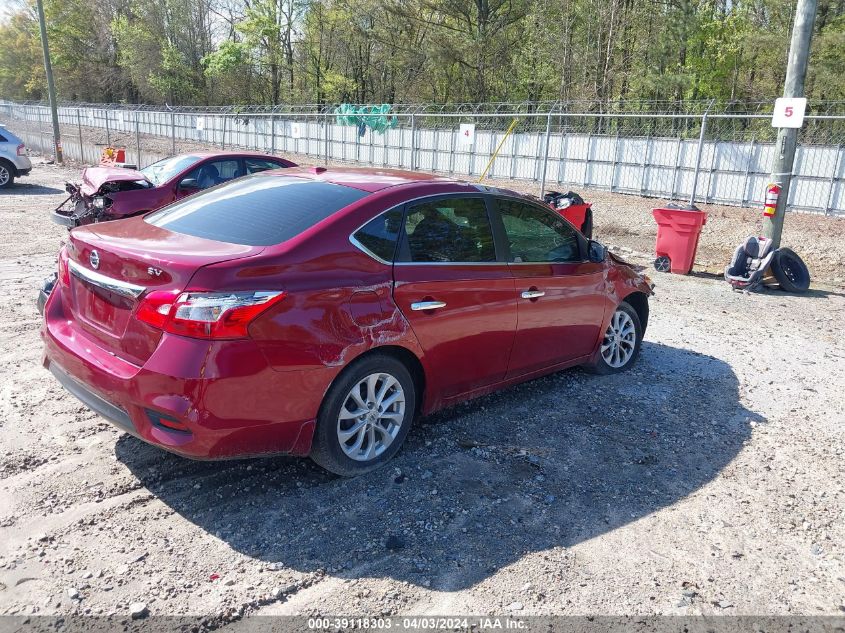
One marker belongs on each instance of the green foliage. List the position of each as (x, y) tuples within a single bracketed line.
[(21, 64), (173, 77), (160, 48), (230, 57), (387, 51), (828, 62)]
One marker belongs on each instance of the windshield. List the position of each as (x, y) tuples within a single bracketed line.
[(162, 171)]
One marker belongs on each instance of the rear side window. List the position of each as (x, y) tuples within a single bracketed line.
[(256, 210), (450, 230), (256, 165), (3, 139), (211, 174), (380, 235)]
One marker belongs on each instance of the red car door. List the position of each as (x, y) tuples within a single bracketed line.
[(561, 296), (458, 298)]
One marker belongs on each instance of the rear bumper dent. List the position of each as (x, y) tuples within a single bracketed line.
[(111, 412)]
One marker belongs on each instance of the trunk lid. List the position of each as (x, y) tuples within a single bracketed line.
[(112, 266), (95, 177)]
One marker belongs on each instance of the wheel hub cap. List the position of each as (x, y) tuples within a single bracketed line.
[(620, 339), (370, 417)]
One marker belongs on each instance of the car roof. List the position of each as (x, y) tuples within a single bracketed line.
[(372, 180), (369, 179), (224, 153)]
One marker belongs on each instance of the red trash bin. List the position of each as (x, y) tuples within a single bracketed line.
[(678, 231), (577, 216)]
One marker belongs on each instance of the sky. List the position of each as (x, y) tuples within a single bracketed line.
[(7, 7)]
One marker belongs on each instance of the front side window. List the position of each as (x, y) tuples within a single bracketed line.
[(450, 230), (536, 235), (379, 236)]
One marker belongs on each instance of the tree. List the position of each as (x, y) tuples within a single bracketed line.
[(21, 64), (600, 52)]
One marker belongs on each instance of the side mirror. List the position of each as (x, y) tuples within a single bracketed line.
[(597, 252), (188, 184)]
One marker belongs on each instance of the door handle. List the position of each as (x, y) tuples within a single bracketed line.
[(532, 294), (427, 305)]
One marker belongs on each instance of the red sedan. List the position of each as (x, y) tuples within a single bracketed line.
[(318, 312), (113, 193)]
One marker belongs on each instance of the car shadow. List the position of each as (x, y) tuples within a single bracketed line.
[(819, 290), (813, 293), (551, 462), (706, 274), (30, 189)]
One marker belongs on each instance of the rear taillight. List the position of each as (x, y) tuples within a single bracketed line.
[(216, 315), (21, 150), (64, 273), (155, 308)]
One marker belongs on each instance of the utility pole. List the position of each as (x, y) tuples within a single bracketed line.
[(51, 87), (796, 71)]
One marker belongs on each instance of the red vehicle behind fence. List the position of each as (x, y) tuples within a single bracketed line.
[(112, 193)]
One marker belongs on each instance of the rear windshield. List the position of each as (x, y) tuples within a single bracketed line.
[(256, 210)]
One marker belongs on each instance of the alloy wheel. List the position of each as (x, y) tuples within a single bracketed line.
[(370, 416), (4, 175), (620, 340)]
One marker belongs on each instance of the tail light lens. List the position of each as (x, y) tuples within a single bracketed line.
[(214, 315), (21, 150), (64, 272)]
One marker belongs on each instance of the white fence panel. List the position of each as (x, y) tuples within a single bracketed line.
[(730, 172)]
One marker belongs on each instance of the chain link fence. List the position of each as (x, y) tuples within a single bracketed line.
[(719, 157)]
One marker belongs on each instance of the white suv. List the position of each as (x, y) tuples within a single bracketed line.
[(13, 159)]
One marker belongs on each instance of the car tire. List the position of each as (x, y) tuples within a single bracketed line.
[(347, 444), (587, 227), (790, 271), (7, 175), (619, 347)]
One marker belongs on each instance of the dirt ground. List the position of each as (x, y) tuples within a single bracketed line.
[(709, 479)]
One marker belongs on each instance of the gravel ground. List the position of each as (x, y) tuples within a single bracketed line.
[(707, 480)]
